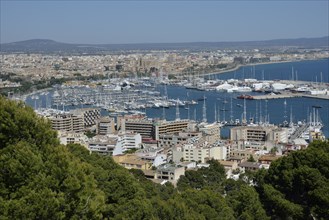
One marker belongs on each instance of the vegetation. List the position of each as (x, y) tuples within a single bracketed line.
[(41, 179)]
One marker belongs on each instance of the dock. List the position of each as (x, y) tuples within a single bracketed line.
[(289, 95), (277, 96)]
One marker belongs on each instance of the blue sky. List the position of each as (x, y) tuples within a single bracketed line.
[(161, 21)]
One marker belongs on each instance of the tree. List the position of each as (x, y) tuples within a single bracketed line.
[(292, 185), (251, 159)]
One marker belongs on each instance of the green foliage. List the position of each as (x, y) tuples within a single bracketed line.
[(251, 159), (90, 134), (244, 200), (297, 185), (204, 178), (41, 179)]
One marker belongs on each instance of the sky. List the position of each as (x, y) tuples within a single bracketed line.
[(115, 22)]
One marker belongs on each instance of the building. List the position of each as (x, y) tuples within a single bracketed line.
[(199, 150), (151, 128), (129, 140), (90, 115), (169, 127), (256, 136), (115, 144), (243, 155), (144, 127), (229, 167), (172, 140), (249, 166), (67, 122), (131, 161), (210, 131), (105, 125), (72, 138), (169, 172), (266, 160), (279, 135), (250, 133), (104, 145)]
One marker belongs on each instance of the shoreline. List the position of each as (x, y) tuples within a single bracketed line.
[(256, 64)]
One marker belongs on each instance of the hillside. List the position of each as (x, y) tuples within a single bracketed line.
[(50, 46), (41, 179)]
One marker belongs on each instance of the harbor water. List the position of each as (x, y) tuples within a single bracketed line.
[(223, 106)]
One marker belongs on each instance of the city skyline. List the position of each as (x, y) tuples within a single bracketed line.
[(125, 22)]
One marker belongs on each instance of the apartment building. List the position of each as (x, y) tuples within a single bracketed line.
[(210, 131), (104, 145), (131, 161), (67, 122), (144, 127), (105, 125), (169, 172), (172, 140), (170, 127), (90, 115)]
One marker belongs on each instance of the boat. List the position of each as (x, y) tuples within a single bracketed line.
[(249, 97), (239, 105)]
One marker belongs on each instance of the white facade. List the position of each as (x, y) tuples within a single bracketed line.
[(202, 154)]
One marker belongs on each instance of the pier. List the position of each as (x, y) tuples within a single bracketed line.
[(289, 95), (277, 96)]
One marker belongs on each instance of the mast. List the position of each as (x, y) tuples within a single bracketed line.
[(231, 113), (285, 111), (215, 113), (195, 114), (291, 122), (218, 116), (292, 73), (163, 113), (260, 112), (266, 121), (188, 111), (256, 117), (244, 121), (296, 76), (177, 111), (165, 92), (204, 110)]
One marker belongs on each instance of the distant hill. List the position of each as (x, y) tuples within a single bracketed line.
[(50, 46)]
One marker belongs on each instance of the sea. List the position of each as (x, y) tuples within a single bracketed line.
[(226, 107), (218, 104)]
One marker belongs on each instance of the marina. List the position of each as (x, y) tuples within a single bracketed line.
[(160, 98)]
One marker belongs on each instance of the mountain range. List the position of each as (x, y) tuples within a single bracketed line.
[(51, 46)]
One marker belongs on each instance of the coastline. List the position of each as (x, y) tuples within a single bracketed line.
[(256, 64)]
